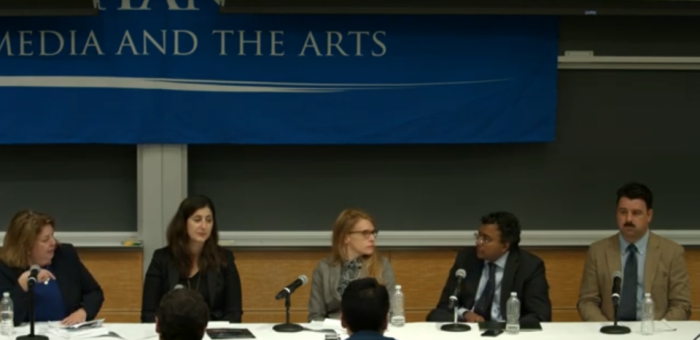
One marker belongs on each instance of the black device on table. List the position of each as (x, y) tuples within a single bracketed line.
[(525, 325), (492, 332), (333, 336), (229, 333)]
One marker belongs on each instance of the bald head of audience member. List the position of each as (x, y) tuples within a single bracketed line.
[(365, 307), (182, 315)]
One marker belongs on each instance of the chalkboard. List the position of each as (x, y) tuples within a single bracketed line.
[(89, 188), (630, 36), (613, 127)]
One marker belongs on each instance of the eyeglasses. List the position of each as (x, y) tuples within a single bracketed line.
[(366, 233), (481, 238)]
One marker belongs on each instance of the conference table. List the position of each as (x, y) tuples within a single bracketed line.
[(676, 330)]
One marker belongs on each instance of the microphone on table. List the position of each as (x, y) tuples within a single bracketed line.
[(460, 274), (285, 293), (616, 287), (456, 327), (33, 273), (300, 281), (31, 281), (616, 290)]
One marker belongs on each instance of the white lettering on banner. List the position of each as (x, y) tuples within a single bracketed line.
[(312, 41), (92, 42), (5, 43), (330, 44), (176, 48), (335, 38), (160, 46), (358, 41), (274, 43), (49, 43), (375, 39), (172, 5), (242, 42), (42, 41), (25, 44), (128, 41)]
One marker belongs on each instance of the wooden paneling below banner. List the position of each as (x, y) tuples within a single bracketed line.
[(421, 272), (120, 273)]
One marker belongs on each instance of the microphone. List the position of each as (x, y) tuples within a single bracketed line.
[(617, 283), (178, 286), (33, 273), (300, 281), (460, 274)]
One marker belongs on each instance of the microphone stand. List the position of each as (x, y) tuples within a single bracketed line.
[(454, 326), (287, 327), (615, 328), (31, 335)]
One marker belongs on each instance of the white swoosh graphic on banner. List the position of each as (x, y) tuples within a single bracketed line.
[(196, 85)]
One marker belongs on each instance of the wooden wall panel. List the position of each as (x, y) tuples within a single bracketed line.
[(120, 273), (264, 273), (421, 272)]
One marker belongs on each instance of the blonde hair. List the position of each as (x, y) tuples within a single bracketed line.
[(20, 237), (342, 227)]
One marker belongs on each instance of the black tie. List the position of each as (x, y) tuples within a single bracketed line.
[(483, 306), (628, 300)]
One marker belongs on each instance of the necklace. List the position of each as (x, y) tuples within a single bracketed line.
[(199, 279)]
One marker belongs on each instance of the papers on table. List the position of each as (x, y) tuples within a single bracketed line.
[(83, 325), (331, 324), (85, 330)]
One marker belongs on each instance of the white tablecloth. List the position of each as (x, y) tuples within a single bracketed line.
[(686, 330)]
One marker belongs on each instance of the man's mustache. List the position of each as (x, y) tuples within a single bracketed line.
[(629, 224)]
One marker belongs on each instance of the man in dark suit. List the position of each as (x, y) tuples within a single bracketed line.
[(182, 315), (364, 310), (495, 268)]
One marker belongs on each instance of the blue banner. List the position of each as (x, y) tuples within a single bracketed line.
[(177, 71)]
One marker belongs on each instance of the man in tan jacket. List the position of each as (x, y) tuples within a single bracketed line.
[(648, 263)]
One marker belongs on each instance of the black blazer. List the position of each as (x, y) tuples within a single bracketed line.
[(224, 287), (78, 288), (524, 273)]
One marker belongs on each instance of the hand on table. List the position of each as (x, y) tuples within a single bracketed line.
[(473, 317), (77, 317)]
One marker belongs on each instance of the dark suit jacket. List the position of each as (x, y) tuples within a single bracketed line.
[(224, 287), (524, 273), (78, 288)]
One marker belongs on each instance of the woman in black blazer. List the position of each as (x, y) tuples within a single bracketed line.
[(194, 259), (65, 291)]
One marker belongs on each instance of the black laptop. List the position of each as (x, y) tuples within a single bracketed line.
[(526, 325)]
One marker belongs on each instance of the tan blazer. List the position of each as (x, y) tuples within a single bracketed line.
[(665, 277), (324, 299)]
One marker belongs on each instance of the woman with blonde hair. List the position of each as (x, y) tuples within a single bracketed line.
[(353, 256), (64, 291)]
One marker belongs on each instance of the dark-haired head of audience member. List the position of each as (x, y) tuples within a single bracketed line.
[(499, 233), (182, 315), (365, 306), (635, 204)]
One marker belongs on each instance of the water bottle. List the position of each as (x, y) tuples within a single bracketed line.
[(648, 315), (513, 314), (398, 318), (7, 315)]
